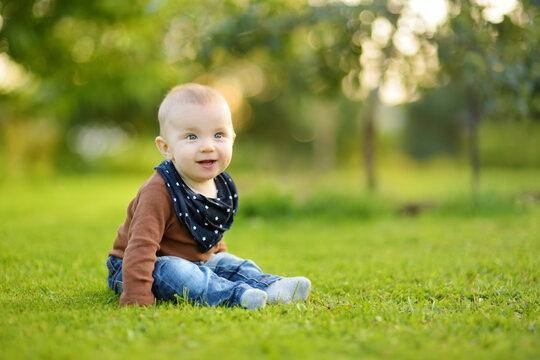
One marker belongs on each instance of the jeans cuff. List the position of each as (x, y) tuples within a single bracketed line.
[(264, 283), (237, 295)]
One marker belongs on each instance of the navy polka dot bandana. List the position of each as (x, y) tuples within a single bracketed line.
[(205, 218)]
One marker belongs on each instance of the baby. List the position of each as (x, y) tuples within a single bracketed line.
[(171, 243)]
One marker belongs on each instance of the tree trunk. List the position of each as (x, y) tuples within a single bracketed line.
[(369, 131), (473, 122), (369, 153)]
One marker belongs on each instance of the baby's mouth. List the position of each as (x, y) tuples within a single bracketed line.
[(206, 163)]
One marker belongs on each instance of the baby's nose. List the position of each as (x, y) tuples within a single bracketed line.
[(207, 145)]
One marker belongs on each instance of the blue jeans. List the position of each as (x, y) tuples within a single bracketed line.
[(219, 281)]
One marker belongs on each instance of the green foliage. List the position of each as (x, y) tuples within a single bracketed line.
[(273, 203), (511, 144), (108, 63), (490, 62), (433, 127), (78, 56), (325, 203)]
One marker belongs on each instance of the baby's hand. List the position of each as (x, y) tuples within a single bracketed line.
[(221, 247)]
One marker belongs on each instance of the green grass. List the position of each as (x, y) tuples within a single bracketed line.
[(460, 280)]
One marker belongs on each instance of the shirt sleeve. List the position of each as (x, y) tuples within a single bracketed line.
[(151, 209)]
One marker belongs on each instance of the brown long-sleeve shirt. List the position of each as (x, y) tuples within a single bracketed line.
[(151, 229)]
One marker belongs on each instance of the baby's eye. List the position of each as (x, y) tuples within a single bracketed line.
[(192, 137), (218, 135)]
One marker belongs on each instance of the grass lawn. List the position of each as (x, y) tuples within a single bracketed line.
[(458, 281)]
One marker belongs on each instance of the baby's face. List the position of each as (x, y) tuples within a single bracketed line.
[(199, 140)]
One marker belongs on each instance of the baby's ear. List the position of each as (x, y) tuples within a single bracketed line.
[(163, 148)]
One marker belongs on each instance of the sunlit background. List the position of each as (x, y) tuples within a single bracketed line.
[(313, 85)]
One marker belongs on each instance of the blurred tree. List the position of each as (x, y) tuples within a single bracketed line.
[(92, 56), (109, 62), (323, 52), (490, 62), (433, 126), (88, 63)]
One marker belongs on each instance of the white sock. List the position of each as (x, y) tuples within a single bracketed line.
[(253, 299), (289, 289)]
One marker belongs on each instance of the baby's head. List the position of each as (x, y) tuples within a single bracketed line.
[(196, 132), (170, 108)]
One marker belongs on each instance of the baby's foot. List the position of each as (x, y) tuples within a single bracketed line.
[(253, 299), (289, 289)]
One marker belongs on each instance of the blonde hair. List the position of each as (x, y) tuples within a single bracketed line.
[(189, 93)]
